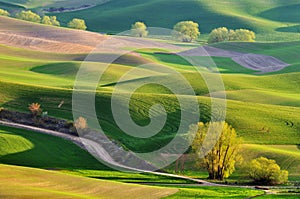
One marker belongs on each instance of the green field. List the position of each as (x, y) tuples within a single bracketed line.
[(264, 108), (49, 184)]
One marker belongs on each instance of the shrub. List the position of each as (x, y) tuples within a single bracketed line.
[(4, 12), (81, 123), (35, 109), (265, 171)]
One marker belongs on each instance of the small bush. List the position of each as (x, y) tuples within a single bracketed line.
[(35, 109), (265, 171), (81, 123), (4, 13)]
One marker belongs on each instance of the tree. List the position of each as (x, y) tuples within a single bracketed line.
[(220, 160), (139, 29), (50, 21), (218, 35), (29, 16), (223, 34), (265, 171), (35, 109), (77, 24), (186, 31), (244, 35), (4, 13)]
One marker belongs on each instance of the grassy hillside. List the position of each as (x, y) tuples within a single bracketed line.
[(260, 107), (20, 147), (260, 16), (49, 184)]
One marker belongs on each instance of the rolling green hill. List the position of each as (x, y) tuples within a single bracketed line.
[(114, 16), (263, 108), (260, 16)]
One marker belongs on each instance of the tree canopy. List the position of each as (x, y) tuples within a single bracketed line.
[(29, 16), (186, 31), (265, 171), (139, 29), (223, 34), (50, 21), (77, 24), (220, 160)]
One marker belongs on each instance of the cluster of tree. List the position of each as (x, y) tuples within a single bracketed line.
[(48, 20), (186, 31), (223, 34), (4, 12), (217, 147)]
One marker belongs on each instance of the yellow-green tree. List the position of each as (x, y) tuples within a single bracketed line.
[(219, 144), (4, 12), (77, 24), (186, 31), (139, 29), (29, 16), (218, 35), (243, 35), (50, 21), (223, 34), (265, 171)]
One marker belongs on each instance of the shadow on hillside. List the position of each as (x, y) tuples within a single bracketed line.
[(49, 152), (294, 29)]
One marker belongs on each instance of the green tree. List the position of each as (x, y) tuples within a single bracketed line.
[(218, 35), (29, 16), (46, 20), (243, 35), (223, 34), (265, 171), (221, 159), (50, 21), (4, 13), (186, 31), (77, 24), (139, 29)]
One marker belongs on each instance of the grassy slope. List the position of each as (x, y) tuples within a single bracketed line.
[(49, 184), (209, 14), (243, 92), (27, 148)]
